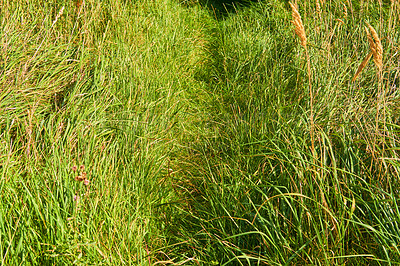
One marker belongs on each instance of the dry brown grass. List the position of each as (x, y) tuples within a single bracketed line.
[(375, 46), (361, 66)]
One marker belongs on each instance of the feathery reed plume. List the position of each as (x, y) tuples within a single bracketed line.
[(361, 66), (298, 24), (375, 46), (376, 51)]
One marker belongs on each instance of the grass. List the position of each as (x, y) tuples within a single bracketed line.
[(193, 127)]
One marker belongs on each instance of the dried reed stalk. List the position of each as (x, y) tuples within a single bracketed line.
[(361, 66)]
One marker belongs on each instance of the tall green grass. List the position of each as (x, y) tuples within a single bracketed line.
[(257, 194), (193, 128), (102, 87)]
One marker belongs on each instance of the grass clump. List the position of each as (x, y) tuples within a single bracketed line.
[(161, 132)]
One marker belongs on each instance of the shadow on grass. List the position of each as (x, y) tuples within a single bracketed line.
[(223, 7)]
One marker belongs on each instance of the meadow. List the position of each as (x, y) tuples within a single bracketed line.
[(193, 132)]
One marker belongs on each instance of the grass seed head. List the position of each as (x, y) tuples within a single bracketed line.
[(298, 24), (361, 66), (375, 46)]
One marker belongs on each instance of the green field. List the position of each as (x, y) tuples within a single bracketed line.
[(189, 132)]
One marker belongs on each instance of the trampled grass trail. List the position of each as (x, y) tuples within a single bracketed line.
[(170, 132)]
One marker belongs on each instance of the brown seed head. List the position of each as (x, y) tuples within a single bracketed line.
[(298, 24), (361, 66), (375, 46)]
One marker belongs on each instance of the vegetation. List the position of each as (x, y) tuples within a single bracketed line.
[(169, 132)]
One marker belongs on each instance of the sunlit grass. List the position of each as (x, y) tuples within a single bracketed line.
[(169, 132)]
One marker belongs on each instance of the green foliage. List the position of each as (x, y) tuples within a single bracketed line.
[(191, 128)]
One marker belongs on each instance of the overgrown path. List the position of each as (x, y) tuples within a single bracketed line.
[(145, 132), (252, 188)]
